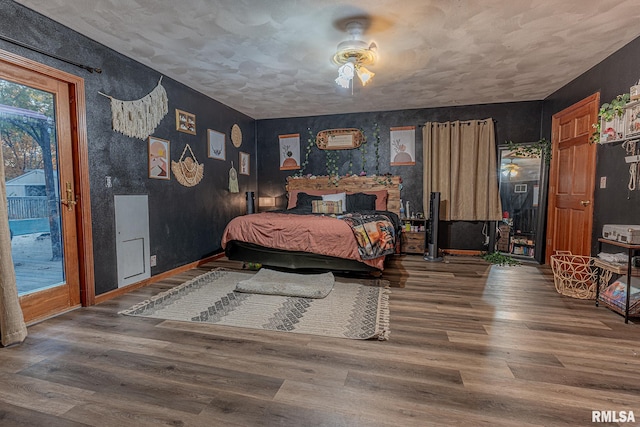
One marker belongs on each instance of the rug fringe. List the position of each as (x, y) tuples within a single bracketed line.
[(162, 295), (384, 331)]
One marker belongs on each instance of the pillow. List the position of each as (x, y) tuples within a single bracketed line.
[(326, 207), (381, 198), (293, 195), (361, 202), (342, 197), (304, 200)]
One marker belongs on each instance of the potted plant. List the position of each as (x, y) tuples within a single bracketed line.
[(609, 111)]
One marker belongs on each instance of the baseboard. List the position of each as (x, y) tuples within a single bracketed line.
[(141, 284), (467, 252)]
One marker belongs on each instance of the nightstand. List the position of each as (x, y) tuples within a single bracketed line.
[(413, 236)]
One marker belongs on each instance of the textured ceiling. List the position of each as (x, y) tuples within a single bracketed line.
[(272, 59)]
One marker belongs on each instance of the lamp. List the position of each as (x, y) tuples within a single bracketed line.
[(352, 56), (266, 202)]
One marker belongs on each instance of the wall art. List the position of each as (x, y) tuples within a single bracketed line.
[(340, 139), (216, 144), (403, 146), (289, 151), (185, 122), (158, 158), (244, 163)]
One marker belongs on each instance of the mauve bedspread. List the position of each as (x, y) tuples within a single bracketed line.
[(317, 234)]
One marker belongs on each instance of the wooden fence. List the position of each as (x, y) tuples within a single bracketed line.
[(27, 207)]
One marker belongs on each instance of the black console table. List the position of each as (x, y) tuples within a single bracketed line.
[(631, 249)]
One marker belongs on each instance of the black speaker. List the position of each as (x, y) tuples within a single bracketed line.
[(251, 202), (432, 229)]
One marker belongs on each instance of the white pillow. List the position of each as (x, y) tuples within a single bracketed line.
[(335, 198)]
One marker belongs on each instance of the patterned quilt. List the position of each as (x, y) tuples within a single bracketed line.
[(374, 233)]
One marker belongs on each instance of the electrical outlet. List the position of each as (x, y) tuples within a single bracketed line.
[(153, 260), (108, 181), (603, 182)]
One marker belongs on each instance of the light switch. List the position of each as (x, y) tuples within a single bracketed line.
[(603, 182)]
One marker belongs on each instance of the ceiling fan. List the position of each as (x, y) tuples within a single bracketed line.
[(510, 169), (353, 54)]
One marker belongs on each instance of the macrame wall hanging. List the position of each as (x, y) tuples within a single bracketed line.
[(187, 171), (233, 180), (140, 117)]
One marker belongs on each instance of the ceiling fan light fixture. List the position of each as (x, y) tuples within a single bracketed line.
[(364, 75), (354, 54), (345, 75)]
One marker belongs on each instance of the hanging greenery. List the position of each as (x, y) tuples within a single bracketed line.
[(311, 141), (376, 144), (386, 179), (331, 160), (608, 111), (363, 157), (540, 148)]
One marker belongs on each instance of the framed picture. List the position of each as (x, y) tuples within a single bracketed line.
[(185, 122), (403, 146), (158, 158), (216, 141), (632, 119), (244, 163), (289, 152)]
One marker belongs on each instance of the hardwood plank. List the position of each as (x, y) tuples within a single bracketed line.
[(470, 344)]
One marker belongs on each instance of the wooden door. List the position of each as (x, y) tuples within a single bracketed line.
[(572, 179), (59, 285)]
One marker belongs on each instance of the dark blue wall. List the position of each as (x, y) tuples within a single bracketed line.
[(186, 224), (519, 122), (613, 76)]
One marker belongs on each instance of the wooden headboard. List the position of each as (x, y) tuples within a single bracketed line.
[(353, 184)]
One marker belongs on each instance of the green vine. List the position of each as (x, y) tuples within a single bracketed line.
[(376, 144), (311, 141), (608, 111), (363, 157), (540, 148), (331, 161), (385, 180)]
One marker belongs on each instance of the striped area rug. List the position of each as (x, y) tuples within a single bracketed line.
[(351, 310)]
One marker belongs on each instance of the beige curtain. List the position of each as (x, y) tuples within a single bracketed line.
[(460, 162), (12, 327)]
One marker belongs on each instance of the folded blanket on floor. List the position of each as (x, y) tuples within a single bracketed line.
[(273, 282)]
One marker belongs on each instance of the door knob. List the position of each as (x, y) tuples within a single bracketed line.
[(584, 202), (70, 201)]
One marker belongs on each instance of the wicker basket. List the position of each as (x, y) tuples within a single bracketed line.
[(574, 275)]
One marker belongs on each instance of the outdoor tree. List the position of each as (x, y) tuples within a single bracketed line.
[(28, 142)]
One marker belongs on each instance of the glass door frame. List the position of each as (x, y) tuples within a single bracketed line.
[(10, 62)]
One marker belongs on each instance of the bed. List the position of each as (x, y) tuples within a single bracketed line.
[(297, 239)]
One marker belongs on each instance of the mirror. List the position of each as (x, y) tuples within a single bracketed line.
[(520, 197)]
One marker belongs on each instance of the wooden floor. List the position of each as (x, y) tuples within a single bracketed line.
[(470, 345)]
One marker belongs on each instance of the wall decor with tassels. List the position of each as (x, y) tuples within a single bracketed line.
[(140, 117)]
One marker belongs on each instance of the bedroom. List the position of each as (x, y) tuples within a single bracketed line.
[(186, 226)]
